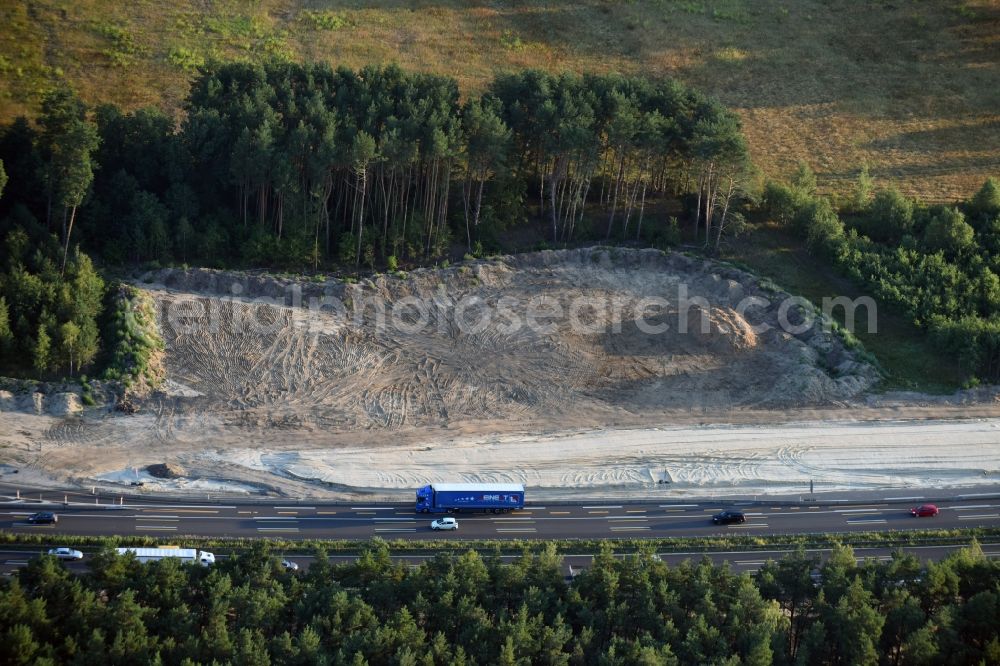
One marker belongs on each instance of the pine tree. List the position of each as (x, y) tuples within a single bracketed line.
[(69, 141)]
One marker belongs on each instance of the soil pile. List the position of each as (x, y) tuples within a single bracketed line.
[(439, 347)]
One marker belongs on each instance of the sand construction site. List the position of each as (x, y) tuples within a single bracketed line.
[(592, 371)]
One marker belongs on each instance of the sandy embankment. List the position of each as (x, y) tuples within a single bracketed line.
[(700, 461), (268, 392)]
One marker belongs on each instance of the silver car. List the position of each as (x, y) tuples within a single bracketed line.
[(448, 523), (66, 553)]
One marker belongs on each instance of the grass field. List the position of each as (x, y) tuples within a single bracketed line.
[(908, 86)]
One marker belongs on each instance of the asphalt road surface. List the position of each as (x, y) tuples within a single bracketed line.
[(741, 561), (81, 514), (600, 520)]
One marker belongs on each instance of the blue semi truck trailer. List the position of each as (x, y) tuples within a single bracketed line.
[(470, 497)]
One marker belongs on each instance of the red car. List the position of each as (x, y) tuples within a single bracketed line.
[(924, 511)]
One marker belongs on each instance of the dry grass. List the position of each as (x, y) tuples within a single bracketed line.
[(909, 87)]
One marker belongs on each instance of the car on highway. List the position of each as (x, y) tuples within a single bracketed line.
[(66, 553), (444, 524), (43, 518), (727, 517), (289, 565), (924, 511)]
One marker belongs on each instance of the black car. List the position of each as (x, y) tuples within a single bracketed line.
[(726, 517), (43, 518)]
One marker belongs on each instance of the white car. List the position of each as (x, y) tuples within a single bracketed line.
[(66, 553), (444, 524), (289, 565)]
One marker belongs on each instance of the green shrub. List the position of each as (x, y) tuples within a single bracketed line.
[(668, 236), (133, 340), (185, 58), (324, 20), (823, 228), (779, 202), (510, 41), (889, 216), (948, 232), (123, 49)]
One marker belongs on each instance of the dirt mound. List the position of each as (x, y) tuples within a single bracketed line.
[(62, 404), (531, 338), (36, 398), (166, 471)]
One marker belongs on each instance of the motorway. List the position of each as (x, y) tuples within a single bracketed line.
[(173, 519), (600, 520), (748, 561)]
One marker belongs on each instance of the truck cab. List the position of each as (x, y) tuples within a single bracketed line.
[(425, 499)]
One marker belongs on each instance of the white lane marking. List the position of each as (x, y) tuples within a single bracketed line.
[(856, 510), (747, 526), (394, 520), (155, 528), (629, 529), (979, 495), (616, 506), (865, 522), (746, 562), (395, 529), (627, 518), (168, 506), (520, 529), (889, 499), (677, 506), (970, 506), (982, 515), (277, 529), (373, 508), (155, 517), (534, 508), (276, 518), (508, 520), (293, 508)]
